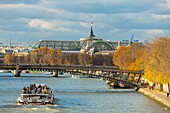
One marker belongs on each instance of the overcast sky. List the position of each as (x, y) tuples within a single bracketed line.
[(32, 20)]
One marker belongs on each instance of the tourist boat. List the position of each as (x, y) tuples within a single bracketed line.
[(36, 98), (61, 73), (46, 73), (5, 71), (25, 71), (75, 76), (1, 71)]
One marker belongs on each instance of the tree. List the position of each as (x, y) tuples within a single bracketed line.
[(118, 57), (7, 58), (158, 61), (98, 59), (126, 57)]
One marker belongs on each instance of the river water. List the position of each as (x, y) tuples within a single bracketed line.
[(82, 95)]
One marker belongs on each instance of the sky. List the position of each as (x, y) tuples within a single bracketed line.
[(115, 20)]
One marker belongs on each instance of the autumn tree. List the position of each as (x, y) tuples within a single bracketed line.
[(128, 56), (84, 59), (7, 58), (154, 59), (98, 59), (158, 61), (107, 60)]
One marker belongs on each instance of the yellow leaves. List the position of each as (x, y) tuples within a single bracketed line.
[(10, 58), (137, 65), (126, 57), (158, 61), (45, 55), (7, 58), (153, 59), (59, 52)]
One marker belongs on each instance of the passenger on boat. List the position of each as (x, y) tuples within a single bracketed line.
[(23, 90), (42, 90), (45, 90), (27, 90), (33, 89)]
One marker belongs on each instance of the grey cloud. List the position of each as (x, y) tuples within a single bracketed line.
[(24, 12), (65, 15), (19, 1), (125, 6)]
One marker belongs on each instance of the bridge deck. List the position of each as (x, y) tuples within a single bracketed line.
[(112, 73)]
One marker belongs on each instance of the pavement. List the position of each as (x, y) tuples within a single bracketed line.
[(161, 97)]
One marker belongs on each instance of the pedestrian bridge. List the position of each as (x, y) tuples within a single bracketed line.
[(112, 74)]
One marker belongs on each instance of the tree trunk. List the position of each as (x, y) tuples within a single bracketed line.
[(168, 87)]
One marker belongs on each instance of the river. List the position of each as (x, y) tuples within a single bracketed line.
[(82, 95)]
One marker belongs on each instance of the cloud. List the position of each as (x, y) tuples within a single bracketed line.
[(12, 11), (165, 5), (19, 1), (101, 6), (36, 23), (155, 32), (51, 24), (54, 27), (70, 19)]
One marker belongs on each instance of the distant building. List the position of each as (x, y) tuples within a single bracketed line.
[(24, 52), (15, 49), (89, 44), (128, 42), (7, 50)]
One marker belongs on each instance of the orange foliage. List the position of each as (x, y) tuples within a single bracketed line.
[(128, 57), (158, 63), (154, 59), (7, 59)]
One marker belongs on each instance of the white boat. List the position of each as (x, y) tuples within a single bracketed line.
[(36, 98), (5, 71), (61, 73), (46, 73), (42, 99), (75, 76)]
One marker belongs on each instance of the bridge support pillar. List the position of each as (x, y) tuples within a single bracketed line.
[(55, 73), (16, 73)]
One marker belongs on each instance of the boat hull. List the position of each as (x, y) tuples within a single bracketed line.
[(42, 99)]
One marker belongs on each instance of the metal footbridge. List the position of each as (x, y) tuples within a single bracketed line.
[(130, 78)]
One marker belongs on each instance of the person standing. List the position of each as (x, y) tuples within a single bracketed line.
[(168, 95)]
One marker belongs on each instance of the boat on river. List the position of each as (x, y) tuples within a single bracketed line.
[(42, 96), (75, 76), (61, 73), (5, 71), (113, 85)]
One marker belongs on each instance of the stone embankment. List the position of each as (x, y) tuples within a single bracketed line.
[(160, 97)]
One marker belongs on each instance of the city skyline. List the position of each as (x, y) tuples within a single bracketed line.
[(32, 20)]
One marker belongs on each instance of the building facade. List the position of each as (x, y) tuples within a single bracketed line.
[(88, 44)]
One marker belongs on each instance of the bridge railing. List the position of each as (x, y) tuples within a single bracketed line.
[(111, 71), (62, 66)]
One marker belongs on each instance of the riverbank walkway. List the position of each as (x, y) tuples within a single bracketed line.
[(156, 95)]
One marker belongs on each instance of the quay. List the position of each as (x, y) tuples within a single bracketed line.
[(157, 96)]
